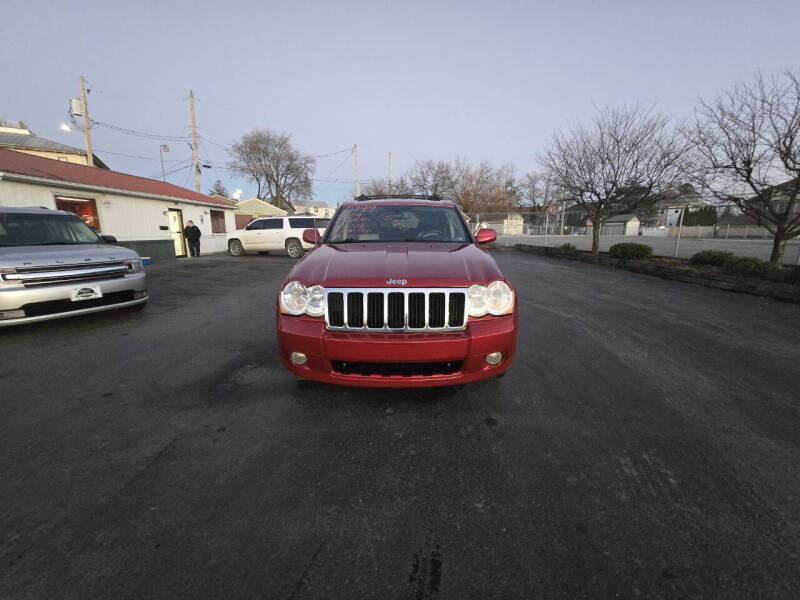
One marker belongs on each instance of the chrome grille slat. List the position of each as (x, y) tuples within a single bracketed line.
[(396, 309)]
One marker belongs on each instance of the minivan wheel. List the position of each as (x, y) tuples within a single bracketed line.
[(294, 249), (235, 248)]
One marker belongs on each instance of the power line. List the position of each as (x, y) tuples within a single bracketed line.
[(93, 88), (143, 134), (175, 160), (334, 153), (339, 166), (173, 170)]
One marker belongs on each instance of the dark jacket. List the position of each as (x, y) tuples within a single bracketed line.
[(192, 233)]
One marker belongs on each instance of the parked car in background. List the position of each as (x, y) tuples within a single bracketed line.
[(53, 265), (274, 233), (398, 293)]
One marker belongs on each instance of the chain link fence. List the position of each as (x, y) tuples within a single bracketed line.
[(553, 228)]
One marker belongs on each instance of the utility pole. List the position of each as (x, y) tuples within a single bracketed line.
[(390, 172), (161, 149), (85, 107), (680, 228), (563, 211), (194, 144), (355, 156)]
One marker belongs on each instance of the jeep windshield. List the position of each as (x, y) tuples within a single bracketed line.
[(395, 223), (42, 229)]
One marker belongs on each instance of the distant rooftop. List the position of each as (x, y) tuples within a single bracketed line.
[(15, 135)]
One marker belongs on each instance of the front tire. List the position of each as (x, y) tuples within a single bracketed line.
[(294, 249), (235, 248)]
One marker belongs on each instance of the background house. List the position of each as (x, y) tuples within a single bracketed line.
[(15, 135), (316, 208), (253, 208), (146, 215), (664, 210), (621, 225)]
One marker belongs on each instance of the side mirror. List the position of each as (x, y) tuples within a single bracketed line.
[(311, 236), (485, 236), (247, 228), (109, 239)]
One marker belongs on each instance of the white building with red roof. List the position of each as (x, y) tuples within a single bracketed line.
[(146, 215)]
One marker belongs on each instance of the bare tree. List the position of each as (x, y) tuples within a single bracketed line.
[(748, 149), (431, 177), (617, 162), (484, 188), (377, 187), (539, 189), (282, 174)]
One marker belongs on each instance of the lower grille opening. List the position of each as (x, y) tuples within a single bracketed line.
[(37, 309), (389, 369)]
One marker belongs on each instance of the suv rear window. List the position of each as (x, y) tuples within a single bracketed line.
[(301, 223)]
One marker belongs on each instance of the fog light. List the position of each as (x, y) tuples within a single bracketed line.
[(137, 295), (12, 314), (494, 358), (299, 358)]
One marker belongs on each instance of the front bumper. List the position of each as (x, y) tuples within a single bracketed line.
[(324, 348), (14, 298)]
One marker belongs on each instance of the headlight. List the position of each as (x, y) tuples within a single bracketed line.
[(316, 301), (297, 299), (294, 298), (476, 299), (134, 266), (496, 299), (499, 298)]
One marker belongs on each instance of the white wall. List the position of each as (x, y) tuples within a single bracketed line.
[(125, 217)]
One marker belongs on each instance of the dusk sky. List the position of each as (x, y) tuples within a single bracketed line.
[(479, 80)]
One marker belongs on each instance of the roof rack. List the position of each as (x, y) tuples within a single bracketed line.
[(364, 197)]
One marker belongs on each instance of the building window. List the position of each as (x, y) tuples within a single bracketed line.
[(85, 208), (217, 221)]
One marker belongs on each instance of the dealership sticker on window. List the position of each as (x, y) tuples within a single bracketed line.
[(85, 293)]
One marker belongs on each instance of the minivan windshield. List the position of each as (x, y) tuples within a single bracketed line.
[(397, 223), (44, 229)]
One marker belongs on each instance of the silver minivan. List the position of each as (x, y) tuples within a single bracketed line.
[(53, 265)]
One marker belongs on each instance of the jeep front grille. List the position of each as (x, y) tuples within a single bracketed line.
[(392, 309)]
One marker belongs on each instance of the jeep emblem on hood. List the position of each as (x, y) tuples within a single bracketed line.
[(391, 281)]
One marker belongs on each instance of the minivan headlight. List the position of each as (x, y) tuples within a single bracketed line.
[(297, 299), (495, 299), (134, 266)]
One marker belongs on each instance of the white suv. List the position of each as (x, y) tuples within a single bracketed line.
[(274, 233)]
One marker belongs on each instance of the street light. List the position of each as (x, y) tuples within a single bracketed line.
[(161, 149)]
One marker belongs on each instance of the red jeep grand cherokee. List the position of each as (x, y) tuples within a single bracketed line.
[(397, 294)]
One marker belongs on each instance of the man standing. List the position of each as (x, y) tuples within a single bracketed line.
[(192, 235)]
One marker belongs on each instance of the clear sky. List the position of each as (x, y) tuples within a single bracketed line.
[(480, 80)]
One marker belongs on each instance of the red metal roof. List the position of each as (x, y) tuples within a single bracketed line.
[(48, 168)]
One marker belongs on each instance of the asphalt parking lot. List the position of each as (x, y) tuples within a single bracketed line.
[(645, 444)]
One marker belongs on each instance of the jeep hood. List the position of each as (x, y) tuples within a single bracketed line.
[(420, 264), (13, 257)]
